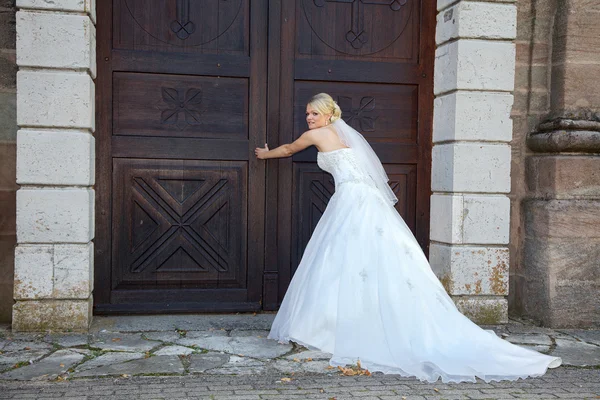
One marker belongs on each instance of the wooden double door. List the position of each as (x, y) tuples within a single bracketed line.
[(187, 220)]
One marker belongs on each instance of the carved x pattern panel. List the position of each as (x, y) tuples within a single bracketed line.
[(180, 221)]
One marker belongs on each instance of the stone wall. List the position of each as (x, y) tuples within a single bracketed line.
[(555, 230), (470, 210), (8, 137), (56, 55)]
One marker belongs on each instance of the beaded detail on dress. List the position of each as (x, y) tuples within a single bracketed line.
[(343, 166)]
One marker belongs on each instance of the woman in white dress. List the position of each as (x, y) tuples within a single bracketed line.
[(364, 290)]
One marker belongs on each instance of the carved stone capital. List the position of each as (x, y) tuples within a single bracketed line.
[(563, 135)]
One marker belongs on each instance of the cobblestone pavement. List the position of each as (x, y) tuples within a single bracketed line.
[(229, 357), (562, 383)]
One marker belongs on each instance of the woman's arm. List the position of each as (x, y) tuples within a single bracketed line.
[(286, 150)]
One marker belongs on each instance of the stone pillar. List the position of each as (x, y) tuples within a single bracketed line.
[(8, 151), (470, 210), (560, 279), (56, 49)]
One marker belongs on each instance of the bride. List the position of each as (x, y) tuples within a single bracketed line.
[(364, 290)]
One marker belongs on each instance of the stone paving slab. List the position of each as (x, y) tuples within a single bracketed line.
[(152, 365), (48, 368), (577, 353), (211, 349)]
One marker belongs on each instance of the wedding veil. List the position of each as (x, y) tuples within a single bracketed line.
[(366, 157)]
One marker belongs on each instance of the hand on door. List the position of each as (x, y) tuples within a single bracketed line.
[(259, 151)]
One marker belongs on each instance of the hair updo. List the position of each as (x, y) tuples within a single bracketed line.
[(324, 104)]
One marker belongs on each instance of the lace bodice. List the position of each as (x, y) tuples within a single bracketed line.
[(343, 166)]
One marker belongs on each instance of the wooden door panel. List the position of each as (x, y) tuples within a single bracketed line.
[(180, 106), (181, 94), (179, 222), (376, 59), (194, 26)]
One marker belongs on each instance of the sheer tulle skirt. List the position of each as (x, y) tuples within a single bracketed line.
[(364, 291)]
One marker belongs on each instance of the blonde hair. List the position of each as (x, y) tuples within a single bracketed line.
[(324, 104)]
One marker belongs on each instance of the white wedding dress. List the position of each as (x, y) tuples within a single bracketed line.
[(364, 291)]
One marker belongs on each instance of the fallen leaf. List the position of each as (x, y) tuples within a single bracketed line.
[(125, 376), (437, 390), (309, 359), (254, 315), (27, 348), (62, 365), (403, 397), (286, 379), (329, 367), (296, 360), (358, 364), (116, 339)]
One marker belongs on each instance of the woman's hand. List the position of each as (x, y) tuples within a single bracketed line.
[(260, 152)]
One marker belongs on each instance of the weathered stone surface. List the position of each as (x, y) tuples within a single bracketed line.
[(464, 20), (243, 346), (576, 141), (20, 345), (471, 167), (476, 65), (486, 311), (144, 366), (312, 354), (577, 353), (167, 337), (87, 6), (174, 351), (41, 157), (564, 176), (42, 37), (67, 339), (540, 339), (204, 322), (55, 315), (563, 218), (34, 270), (108, 359), (466, 115), (49, 368), (240, 366), (207, 361), (73, 271), (131, 342), (471, 270), (561, 280), (55, 215), (319, 367), (592, 337), (55, 99), (251, 332), (540, 348), (470, 219), (10, 358)]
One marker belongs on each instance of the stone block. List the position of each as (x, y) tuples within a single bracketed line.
[(43, 37), (562, 219), (575, 87), (471, 270), (464, 20), (73, 271), (55, 157), (8, 173), (85, 6), (471, 167), (564, 176), (55, 215), (561, 281), (476, 116), (474, 65), (34, 269), (55, 99), (482, 310), (442, 4), (8, 117), (54, 315), (7, 29), (8, 72), (470, 219)]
